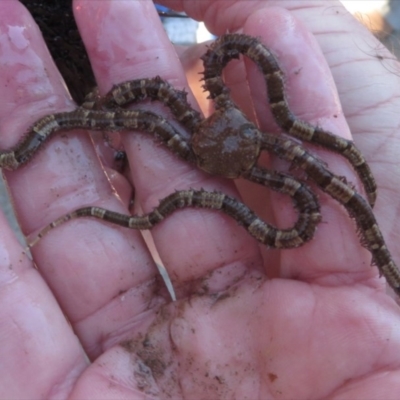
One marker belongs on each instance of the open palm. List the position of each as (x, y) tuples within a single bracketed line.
[(96, 321)]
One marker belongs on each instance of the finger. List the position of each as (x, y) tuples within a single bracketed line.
[(129, 50), (34, 331), (91, 267)]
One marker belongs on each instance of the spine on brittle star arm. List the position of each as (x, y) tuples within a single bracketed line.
[(154, 89), (263, 232), (357, 207), (230, 46), (112, 121)]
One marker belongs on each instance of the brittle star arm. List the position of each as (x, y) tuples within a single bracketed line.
[(302, 231), (137, 90), (82, 118), (357, 207)]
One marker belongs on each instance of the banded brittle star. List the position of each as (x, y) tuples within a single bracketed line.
[(229, 145)]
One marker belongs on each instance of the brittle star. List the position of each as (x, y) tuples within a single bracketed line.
[(225, 144)]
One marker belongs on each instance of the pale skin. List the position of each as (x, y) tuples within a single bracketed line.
[(325, 328)]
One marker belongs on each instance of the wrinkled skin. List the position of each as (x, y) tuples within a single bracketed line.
[(324, 328)]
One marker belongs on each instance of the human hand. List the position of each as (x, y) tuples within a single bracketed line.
[(324, 328)]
